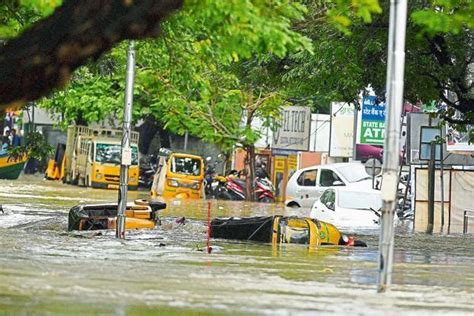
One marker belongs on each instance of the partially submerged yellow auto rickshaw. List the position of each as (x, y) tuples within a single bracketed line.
[(55, 170), (279, 229), (140, 214), (180, 176)]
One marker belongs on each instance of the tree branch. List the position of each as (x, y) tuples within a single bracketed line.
[(43, 57), (455, 121)]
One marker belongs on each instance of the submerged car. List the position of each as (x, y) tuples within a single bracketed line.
[(306, 185), (349, 207)]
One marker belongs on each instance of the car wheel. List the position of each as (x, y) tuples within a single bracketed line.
[(225, 196), (293, 205)]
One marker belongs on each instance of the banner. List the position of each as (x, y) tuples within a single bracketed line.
[(341, 139)]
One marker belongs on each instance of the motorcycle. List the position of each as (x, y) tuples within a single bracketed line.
[(147, 172), (236, 189), (214, 184)]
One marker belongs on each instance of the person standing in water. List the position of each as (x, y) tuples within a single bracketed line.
[(16, 139)]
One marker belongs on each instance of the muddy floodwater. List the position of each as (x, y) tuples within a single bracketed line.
[(46, 270)]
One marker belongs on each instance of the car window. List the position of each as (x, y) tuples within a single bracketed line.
[(353, 172), (308, 178), (359, 200), (328, 178), (330, 199), (185, 165), (324, 197)]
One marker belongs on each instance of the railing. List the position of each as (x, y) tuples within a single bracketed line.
[(466, 219)]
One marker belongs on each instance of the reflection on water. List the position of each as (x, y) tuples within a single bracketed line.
[(45, 269)]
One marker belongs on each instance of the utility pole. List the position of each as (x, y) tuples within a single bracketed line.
[(354, 132), (391, 161), (126, 151), (431, 187)]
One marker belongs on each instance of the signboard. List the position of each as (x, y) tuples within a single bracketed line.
[(294, 130), (371, 127), (428, 135), (341, 139), (373, 167), (283, 152)]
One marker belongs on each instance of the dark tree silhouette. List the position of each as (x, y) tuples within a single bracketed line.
[(44, 56)]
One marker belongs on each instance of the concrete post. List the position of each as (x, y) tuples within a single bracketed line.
[(126, 150)]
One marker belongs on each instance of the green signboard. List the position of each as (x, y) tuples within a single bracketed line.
[(372, 122), (372, 132)]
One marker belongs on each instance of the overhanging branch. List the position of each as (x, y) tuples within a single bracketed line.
[(44, 56)]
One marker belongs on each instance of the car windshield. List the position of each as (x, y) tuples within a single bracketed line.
[(186, 165), (353, 172), (359, 200), (111, 153)]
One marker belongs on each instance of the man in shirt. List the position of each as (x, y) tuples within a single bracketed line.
[(16, 140)]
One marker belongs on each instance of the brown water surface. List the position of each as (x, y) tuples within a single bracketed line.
[(44, 269)]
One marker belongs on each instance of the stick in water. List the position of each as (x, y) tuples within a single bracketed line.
[(209, 248)]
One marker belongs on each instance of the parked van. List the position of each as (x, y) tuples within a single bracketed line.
[(306, 185)]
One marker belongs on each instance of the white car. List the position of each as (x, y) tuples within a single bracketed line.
[(349, 208), (306, 185)]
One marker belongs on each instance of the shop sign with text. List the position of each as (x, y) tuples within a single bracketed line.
[(371, 129), (294, 130)]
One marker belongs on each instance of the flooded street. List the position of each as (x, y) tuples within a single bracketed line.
[(44, 269)]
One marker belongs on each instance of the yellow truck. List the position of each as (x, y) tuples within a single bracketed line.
[(93, 156)]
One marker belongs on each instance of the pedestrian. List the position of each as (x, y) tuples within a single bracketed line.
[(6, 140), (16, 140)]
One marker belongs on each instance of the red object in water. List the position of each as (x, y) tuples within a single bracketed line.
[(350, 242)]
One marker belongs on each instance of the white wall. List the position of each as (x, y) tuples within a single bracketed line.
[(320, 128), (319, 137)]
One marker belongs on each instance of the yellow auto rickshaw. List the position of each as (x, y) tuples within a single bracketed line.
[(55, 170), (179, 175)]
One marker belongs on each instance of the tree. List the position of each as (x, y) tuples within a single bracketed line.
[(195, 83), (187, 78), (35, 62), (205, 95), (439, 56)]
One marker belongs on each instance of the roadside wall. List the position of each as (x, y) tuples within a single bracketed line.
[(458, 196)]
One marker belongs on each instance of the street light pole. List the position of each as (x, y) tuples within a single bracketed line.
[(126, 151), (391, 161)]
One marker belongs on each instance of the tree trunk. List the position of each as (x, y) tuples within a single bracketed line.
[(250, 171), (80, 119), (147, 131), (44, 56), (228, 161)]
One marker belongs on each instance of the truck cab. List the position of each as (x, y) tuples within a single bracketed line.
[(103, 165), (96, 158)]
